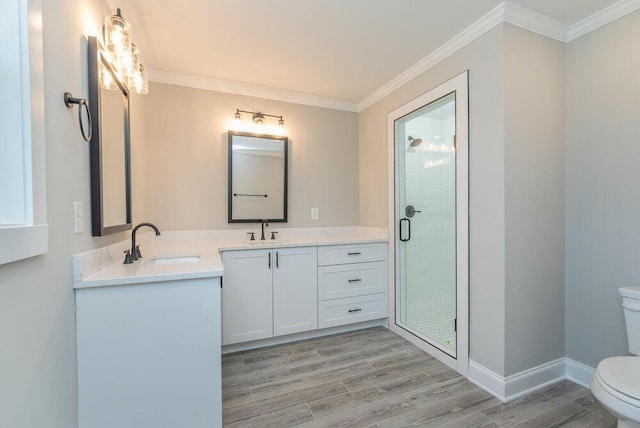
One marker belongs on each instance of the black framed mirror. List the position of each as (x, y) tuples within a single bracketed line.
[(258, 166), (109, 152)]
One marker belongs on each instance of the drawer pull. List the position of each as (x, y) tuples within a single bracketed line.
[(355, 280), (354, 254), (355, 310)]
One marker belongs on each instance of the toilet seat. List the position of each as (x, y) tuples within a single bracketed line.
[(622, 374), (624, 407)]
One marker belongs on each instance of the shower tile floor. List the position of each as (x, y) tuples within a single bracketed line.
[(433, 318)]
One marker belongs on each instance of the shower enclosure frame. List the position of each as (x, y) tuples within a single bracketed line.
[(459, 85)]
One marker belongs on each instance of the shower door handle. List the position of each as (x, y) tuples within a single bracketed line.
[(408, 230)]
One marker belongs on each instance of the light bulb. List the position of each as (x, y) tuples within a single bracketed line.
[(138, 81), (117, 34), (237, 122), (258, 123), (117, 37), (106, 79)]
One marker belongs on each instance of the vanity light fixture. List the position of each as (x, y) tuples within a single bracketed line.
[(123, 54), (258, 126)]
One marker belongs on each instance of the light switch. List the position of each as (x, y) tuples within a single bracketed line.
[(78, 216), (315, 213)]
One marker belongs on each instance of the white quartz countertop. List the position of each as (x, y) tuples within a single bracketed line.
[(143, 271), (103, 267)]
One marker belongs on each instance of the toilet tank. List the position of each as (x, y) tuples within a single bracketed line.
[(631, 308)]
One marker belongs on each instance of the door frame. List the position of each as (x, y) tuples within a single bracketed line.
[(459, 84)]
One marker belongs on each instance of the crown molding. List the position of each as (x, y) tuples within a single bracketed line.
[(534, 22), (603, 17), (478, 28), (505, 12), (512, 14), (237, 88)]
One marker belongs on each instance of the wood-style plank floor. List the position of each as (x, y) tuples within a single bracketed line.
[(374, 378)]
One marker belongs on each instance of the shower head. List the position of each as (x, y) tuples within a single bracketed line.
[(415, 142)]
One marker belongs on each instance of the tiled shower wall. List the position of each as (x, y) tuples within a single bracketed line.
[(430, 188), (429, 185)]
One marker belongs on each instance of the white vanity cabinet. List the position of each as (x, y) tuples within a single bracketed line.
[(352, 283), (148, 355), (295, 290), (247, 296), (268, 292)]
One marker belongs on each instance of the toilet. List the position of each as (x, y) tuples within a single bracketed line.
[(616, 382)]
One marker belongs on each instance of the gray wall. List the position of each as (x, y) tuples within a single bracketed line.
[(516, 201), (602, 205), (484, 59), (186, 155), (534, 198), (37, 307)]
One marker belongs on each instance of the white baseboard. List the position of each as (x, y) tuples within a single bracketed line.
[(514, 386), (579, 373), (488, 380), (528, 381)]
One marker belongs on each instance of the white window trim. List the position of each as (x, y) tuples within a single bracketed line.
[(30, 239)]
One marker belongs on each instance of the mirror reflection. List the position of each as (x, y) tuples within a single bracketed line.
[(257, 178), (114, 188), (109, 147)]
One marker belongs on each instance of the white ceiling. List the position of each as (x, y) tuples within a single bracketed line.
[(565, 11), (338, 49)]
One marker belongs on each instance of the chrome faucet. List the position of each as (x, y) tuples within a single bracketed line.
[(135, 251), (265, 223)]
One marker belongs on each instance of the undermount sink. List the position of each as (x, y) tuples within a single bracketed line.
[(266, 242), (175, 260)]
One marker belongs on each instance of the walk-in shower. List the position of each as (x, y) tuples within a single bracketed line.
[(430, 221)]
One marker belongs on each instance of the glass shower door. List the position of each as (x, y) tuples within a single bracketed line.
[(425, 188)]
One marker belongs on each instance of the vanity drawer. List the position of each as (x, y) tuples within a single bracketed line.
[(356, 253), (339, 281), (336, 312)]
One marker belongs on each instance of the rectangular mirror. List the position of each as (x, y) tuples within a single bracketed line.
[(109, 146), (257, 178)]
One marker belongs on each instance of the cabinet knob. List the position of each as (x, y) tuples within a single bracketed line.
[(355, 310), (354, 253), (355, 280)]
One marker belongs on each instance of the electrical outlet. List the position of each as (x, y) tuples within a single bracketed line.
[(315, 213), (78, 216)]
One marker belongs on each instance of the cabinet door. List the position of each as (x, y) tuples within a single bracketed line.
[(247, 305), (295, 290)]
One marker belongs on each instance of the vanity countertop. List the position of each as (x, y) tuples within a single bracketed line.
[(144, 271), (103, 267)]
